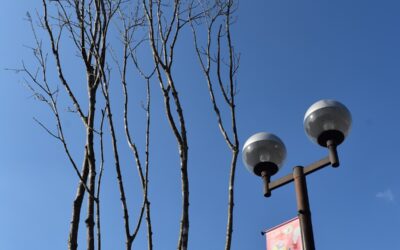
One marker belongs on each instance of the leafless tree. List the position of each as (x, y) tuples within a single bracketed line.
[(86, 24), (88, 29), (163, 32), (217, 17), (143, 177), (130, 24)]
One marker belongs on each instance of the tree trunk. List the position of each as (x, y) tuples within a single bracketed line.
[(76, 208), (92, 168)]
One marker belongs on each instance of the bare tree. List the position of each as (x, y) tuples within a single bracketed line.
[(88, 29), (143, 177), (86, 25), (217, 17), (163, 32), (130, 25)]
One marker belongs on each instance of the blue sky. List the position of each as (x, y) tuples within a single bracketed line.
[(292, 54)]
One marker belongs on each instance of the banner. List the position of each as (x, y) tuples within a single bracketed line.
[(286, 236)]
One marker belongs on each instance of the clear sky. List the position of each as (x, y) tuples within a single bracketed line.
[(293, 53)]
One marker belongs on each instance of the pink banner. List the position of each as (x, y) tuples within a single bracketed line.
[(286, 236)]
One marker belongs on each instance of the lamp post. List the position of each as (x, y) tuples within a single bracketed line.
[(327, 123)]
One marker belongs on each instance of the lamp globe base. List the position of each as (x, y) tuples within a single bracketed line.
[(334, 136), (269, 168)]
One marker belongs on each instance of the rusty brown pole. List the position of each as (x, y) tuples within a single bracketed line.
[(303, 207)]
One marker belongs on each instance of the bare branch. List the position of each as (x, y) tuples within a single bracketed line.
[(99, 181), (117, 164), (49, 96), (128, 32), (54, 46)]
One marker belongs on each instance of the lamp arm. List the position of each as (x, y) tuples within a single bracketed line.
[(307, 170)]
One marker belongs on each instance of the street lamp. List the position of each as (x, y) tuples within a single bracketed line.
[(327, 123)]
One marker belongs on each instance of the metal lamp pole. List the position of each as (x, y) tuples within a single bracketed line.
[(303, 208), (327, 123)]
